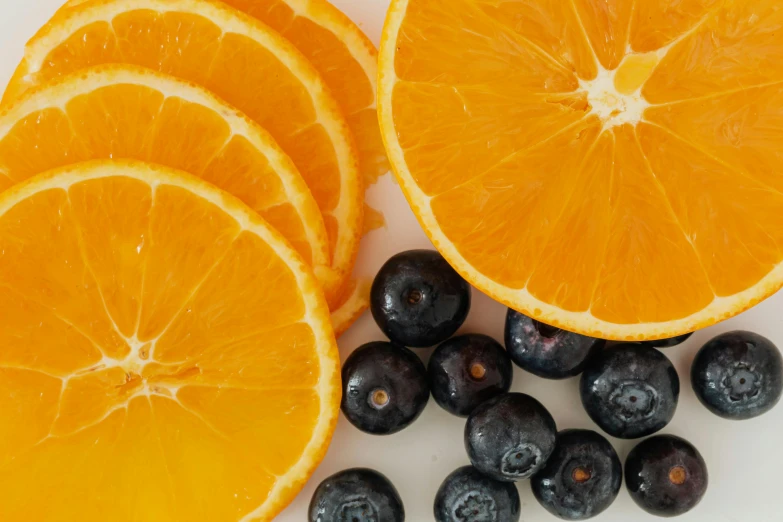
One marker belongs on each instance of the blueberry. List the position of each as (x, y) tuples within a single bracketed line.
[(469, 496), (630, 390), (738, 375), (668, 343), (466, 371), (581, 478), (384, 388), (665, 475), (547, 351), (356, 495), (510, 437), (418, 300)]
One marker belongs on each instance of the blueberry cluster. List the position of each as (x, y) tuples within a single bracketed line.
[(630, 390)]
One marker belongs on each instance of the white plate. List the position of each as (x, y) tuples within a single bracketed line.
[(744, 458)]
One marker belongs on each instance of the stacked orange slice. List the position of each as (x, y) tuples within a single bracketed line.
[(121, 111), (342, 54), (166, 354), (181, 203), (242, 61)]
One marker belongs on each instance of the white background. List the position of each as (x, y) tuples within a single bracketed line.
[(744, 458)]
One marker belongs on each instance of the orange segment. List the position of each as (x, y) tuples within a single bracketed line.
[(225, 486), (525, 190), (218, 362), (21, 160), (123, 249), (263, 419), (743, 129), (139, 440), (25, 427), (552, 25), (31, 323), (607, 24), (634, 72), (735, 47), (429, 116), (710, 198), (238, 58), (40, 231), (575, 226), (451, 56), (643, 225), (223, 418), (120, 111), (83, 454), (657, 24), (173, 271), (557, 153), (252, 312)]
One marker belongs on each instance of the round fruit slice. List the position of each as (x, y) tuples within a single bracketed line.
[(239, 59), (354, 297), (123, 111), (353, 301), (612, 168), (166, 354), (346, 59)]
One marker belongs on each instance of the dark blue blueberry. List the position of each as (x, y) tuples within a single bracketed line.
[(666, 475), (510, 436), (356, 495), (581, 478), (630, 390), (466, 371), (738, 375), (469, 496), (668, 343), (384, 388), (547, 351), (418, 300)]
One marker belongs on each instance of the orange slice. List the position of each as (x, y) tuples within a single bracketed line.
[(166, 354), (353, 301), (239, 59), (122, 111), (346, 59), (610, 167), (354, 297)]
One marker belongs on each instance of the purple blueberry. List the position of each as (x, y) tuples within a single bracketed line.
[(547, 351), (510, 437), (738, 375), (418, 299), (469, 496), (466, 371), (630, 390), (356, 495), (666, 475), (581, 478), (668, 343), (384, 388)]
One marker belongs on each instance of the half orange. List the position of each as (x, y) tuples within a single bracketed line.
[(166, 354), (610, 167), (238, 58)]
